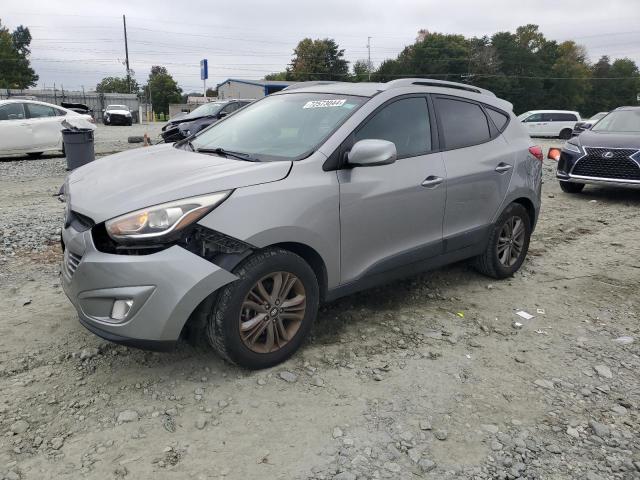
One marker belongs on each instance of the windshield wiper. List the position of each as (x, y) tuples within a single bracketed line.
[(227, 153)]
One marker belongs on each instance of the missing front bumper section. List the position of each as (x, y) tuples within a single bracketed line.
[(206, 243)]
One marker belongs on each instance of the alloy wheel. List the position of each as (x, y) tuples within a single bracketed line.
[(272, 312), (511, 241)]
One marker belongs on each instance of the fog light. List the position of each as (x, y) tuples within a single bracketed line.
[(121, 308)]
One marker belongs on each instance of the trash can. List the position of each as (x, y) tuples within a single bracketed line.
[(78, 147)]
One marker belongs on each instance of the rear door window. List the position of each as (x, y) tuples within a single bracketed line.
[(560, 117), (39, 111), (463, 123), (565, 117), (12, 111), (404, 122)]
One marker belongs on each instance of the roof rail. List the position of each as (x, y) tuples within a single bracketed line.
[(310, 83), (430, 82)]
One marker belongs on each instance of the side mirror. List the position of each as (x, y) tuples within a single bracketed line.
[(554, 154), (223, 114), (587, 126), (371, 153)]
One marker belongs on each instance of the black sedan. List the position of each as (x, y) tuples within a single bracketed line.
[(608, 153), (203, 116)]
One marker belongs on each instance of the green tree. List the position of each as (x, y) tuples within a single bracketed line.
[(570, 87), (162, 89), (361, 71), (435, 55), (318, 60), (277, 76), (117, 85), (602, 89), (15, 68), (627, 83)]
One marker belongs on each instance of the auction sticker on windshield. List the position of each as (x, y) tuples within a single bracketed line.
[(324, 103)]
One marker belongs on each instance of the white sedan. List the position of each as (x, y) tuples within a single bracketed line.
[(30, 127)]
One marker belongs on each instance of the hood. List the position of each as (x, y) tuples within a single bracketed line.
[(127, 181), (589, 138)]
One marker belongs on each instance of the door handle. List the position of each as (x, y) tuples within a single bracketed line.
[(432, 181), (503, 167)]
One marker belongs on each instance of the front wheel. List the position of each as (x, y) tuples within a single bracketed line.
[(508, 243), (570, 187), (262, 318)]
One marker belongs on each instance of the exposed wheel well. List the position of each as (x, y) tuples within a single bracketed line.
[(528, 204), (314, 260)]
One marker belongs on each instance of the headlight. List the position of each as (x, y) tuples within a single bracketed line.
[(159, 220), (570, 147)]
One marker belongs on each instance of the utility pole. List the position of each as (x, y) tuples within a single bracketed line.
[(369, 59), (126, 52)]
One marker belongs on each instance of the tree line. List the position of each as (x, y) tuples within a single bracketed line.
[(523, 67)]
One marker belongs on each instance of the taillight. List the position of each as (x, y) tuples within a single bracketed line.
[(536, 152)]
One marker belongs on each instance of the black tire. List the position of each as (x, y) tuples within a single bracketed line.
[(489, 262), (34, 154), (565, 134), (130, 122), (570, 187), (223, 323)]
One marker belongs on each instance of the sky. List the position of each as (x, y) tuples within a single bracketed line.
[(77, 43)]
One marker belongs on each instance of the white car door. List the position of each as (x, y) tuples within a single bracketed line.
[(533, 124), (45, 126), (15, 131)]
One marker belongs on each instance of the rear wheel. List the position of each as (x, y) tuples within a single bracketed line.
[(508, 243), (262, 318), (570, 187), (565, 134)]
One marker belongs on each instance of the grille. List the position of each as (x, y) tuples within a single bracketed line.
[(619, 166), (72, 262)]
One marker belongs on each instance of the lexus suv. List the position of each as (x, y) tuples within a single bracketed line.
[(606, 154), (236, 235)]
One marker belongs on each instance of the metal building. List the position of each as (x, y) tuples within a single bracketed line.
[(241, 88)]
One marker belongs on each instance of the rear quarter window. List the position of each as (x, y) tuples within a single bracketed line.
[(463, 123), (500, 119)]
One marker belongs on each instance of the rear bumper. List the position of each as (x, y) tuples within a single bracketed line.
[(164, 288)]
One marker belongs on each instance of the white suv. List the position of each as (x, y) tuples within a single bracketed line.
[(550, 123)]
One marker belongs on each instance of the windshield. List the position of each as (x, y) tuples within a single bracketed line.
[(524, 115), (620, 121), (280, 127), (205, 110), (117, 107)]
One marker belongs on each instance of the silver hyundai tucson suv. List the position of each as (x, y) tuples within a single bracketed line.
[(238, 233)]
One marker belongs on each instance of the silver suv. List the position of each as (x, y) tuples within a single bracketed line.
[(237, 235)]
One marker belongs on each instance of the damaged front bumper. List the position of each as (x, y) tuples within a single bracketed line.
[(138, 300)]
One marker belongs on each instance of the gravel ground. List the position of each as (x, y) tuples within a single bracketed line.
[(432, 377)]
